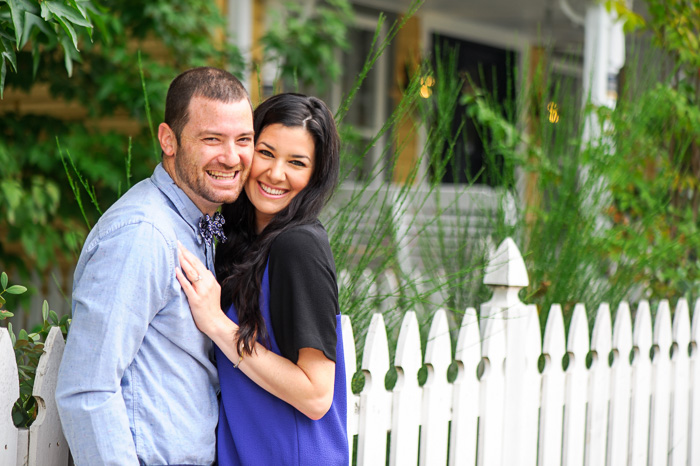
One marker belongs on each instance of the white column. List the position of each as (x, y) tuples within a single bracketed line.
[(240, 29), (603, 57)]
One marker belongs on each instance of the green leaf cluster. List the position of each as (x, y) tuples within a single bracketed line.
[(28, 346), (305, 40), (43, 26), (676, 28), (45, 226)]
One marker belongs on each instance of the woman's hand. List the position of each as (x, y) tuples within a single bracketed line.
[(202, 290), (307, 385)]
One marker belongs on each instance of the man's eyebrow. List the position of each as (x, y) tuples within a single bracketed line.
[(217, 133)]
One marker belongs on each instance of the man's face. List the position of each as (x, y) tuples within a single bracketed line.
[(213, 158)]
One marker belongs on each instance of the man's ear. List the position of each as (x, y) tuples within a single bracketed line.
[(167, 139)]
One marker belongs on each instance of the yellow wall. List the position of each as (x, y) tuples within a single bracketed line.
[(407, 60)]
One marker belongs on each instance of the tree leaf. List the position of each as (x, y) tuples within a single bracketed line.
[(36, 58), (8, 53), (78, 6), (17, 13), (16, 289), (68, 27), (6, 314), (67, 56), (3, 73), (66, 13), (3, 280), (45, 310), (32, 21)]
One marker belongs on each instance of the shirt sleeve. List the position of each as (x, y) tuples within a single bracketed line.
[(303, 292), (120, 289)]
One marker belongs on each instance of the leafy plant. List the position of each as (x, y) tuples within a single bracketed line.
[(172, 36), (44, 26), (14, 289), (28, 350), (304, 40)]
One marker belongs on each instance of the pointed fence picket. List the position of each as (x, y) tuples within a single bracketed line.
[(466, 392), (618, 432), (641, 388), (636, 402), (694, 409), (575, 392), (680, 368), (552, 395), (661, 388), (407, 394)]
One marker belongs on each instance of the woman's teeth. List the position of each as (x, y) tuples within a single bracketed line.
[(272, 191)]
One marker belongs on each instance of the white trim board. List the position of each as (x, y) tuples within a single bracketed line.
[(473, 32)]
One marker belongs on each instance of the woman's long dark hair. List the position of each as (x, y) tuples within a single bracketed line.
[(241, 260)]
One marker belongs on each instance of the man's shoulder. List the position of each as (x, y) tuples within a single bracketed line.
[(143, 207)]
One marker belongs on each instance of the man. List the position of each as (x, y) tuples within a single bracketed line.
[(136, 384)]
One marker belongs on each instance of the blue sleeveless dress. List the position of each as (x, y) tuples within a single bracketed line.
[(257, 428)]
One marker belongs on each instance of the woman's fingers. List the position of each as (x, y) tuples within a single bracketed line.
[(184, 282), (195, 272), (191, 266)]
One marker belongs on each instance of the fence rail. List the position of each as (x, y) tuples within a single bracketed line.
[(636, 403)]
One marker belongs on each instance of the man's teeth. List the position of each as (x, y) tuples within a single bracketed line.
[(222, 175), (272, 191)]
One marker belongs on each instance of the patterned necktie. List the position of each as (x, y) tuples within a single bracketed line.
[(212, 227)]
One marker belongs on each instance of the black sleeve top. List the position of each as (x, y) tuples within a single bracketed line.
[(303, 291)]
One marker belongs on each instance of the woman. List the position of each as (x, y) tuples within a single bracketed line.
[(279, 346)]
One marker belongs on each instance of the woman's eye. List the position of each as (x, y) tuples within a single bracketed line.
[(298, 163), (265, 153)]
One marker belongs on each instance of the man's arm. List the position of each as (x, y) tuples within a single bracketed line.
[(120, 289)]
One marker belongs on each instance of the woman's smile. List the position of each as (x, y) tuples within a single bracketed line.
[(282, 166)]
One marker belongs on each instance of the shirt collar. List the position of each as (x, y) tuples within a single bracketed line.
[(183, 204)]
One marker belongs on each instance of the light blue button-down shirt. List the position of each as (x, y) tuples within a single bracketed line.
[(137, 384)]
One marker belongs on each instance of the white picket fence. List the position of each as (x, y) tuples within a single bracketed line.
[(500, 410)]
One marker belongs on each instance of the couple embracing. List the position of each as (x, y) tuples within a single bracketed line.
[(177, 355)]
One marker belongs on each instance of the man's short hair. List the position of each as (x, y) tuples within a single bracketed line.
[(207, 82)]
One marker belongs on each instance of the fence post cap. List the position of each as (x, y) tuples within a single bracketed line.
[(506, 266)]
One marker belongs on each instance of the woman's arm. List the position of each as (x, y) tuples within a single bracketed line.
[(307, 385)]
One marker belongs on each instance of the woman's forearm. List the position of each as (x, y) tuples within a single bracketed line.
[(307, 385)]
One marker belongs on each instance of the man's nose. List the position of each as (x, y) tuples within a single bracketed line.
[(230, 155)]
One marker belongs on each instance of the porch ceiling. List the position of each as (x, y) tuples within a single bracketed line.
[(542, 20)]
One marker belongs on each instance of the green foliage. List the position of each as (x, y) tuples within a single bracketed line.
[(28, 346), (615, 217), (305, 39), (43, 26), (14, 289), (172, 36), (676, 28), (632, 21)]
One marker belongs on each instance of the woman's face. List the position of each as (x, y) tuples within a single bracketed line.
[(283, 163)]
